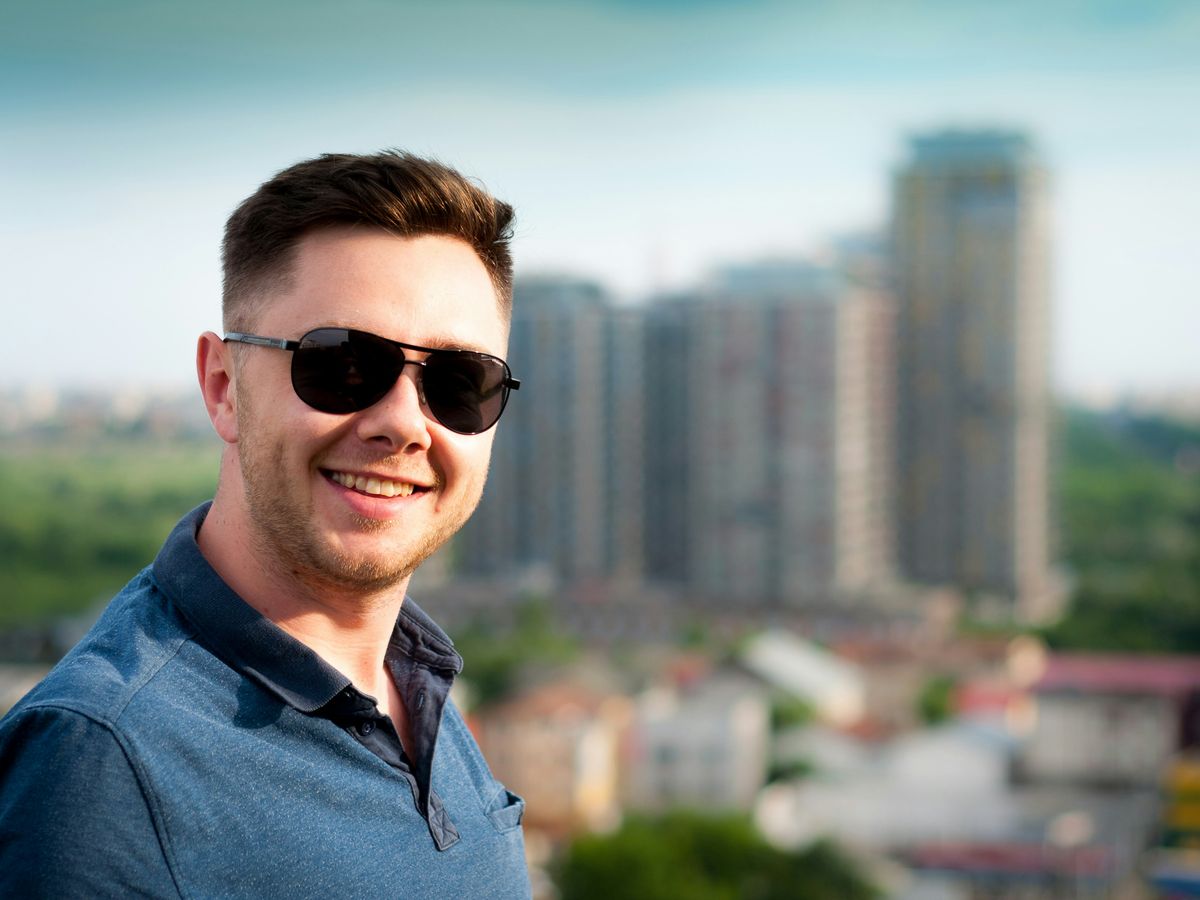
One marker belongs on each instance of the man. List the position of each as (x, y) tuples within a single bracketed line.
[(262, 712)]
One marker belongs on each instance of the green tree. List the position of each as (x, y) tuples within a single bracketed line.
[(689, 856), (493, 661), (1130, 499), (935, 703), (789, 711), (77, 523)]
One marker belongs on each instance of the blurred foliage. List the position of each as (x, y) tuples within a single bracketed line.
[(788, 711), (77, 523), (935, 703), (493, 660), (1130, 507), (790, 770), (78, 520), (696, 635), (690, 856)]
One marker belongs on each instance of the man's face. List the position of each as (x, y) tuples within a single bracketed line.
[(304, 470)]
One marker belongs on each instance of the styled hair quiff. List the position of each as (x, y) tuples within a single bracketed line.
[(398, 192)]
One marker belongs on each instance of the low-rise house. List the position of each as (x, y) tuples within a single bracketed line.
[(939, 801), (703, 744), (557, 746), (926, 785), (798, 668), (1109, 719)]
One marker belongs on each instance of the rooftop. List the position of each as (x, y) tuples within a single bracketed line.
[(1161, 675), (954, 148)]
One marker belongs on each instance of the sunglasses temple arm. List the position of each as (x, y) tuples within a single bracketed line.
[(260, 341)]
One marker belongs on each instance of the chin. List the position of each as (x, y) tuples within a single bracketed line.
[(368, 570)]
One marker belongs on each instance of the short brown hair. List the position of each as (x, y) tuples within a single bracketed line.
[(398, 192)]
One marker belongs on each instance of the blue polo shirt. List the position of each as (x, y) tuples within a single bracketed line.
[(188, 747)]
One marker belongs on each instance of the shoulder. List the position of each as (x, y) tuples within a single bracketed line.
[(70, 722), (50, 744), (136, 636), (76, 809), (75, 819)]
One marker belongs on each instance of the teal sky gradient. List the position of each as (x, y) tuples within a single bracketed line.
[(642, 143)]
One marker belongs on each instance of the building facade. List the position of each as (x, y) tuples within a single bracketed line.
[(563, 495), (971, 243), (558, 746), (1112, 719), (767, 413), (703, 746)]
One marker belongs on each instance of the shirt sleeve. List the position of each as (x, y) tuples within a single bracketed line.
[(74, 819)]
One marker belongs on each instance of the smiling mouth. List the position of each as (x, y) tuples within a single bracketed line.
[(374, 487)]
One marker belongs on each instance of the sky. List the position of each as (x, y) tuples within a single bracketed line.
[(643, 144)]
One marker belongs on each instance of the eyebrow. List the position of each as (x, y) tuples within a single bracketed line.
[(451, 344)]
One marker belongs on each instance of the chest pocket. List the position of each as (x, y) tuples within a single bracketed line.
[(502, 807), (505, 810)]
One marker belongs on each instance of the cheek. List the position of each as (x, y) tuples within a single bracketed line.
[(286, 430), (468, 458), (262, 390)]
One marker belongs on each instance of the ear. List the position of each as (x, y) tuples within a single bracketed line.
[(214, 368)]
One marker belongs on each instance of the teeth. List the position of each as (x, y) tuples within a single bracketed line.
[(375, 486)]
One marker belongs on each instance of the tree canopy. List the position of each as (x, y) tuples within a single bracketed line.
[(1130, 510), (689, 856)]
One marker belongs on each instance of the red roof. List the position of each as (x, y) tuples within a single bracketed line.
[(982, 696), (1013, 859), (1104, 673)]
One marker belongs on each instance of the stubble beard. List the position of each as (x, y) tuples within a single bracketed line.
[(284, 532)]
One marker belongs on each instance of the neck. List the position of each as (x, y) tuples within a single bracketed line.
[(347, 627)]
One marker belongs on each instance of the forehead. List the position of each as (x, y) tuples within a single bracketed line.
[(430, 290)]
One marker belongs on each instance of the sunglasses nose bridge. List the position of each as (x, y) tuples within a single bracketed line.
[(418, 376)]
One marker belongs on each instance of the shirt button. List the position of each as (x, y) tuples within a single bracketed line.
[(365, 728)]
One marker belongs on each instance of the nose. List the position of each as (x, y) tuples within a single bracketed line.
[(418, 377), (397, 421)]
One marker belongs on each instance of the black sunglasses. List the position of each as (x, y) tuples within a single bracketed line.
[(340, 370)]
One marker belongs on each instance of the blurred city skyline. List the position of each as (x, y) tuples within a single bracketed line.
[(643, 145)]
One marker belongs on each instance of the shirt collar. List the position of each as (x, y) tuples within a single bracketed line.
[(260, 649)]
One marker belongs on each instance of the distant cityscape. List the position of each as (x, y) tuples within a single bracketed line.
[(31, 413), (791, 435), (728, 537), (797, 435)]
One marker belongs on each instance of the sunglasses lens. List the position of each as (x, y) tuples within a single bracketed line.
[(336, 370), (465, 391)]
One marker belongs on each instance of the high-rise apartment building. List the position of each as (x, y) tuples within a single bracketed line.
[(766, 427), (732, 442), (789, 433), (564, 494), (971, 242)]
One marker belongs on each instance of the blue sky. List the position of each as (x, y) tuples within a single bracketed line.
[(642, 144)]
